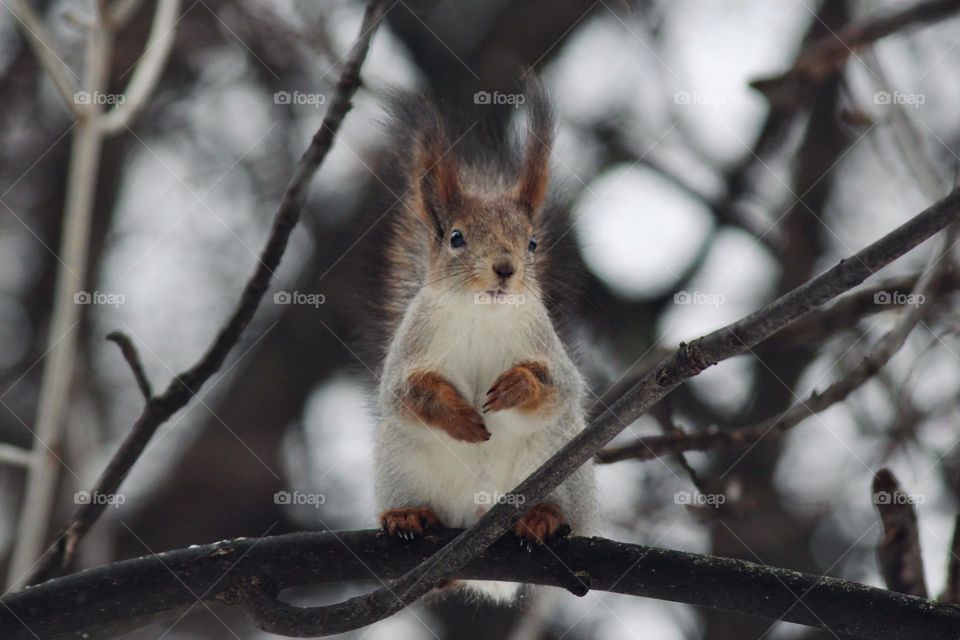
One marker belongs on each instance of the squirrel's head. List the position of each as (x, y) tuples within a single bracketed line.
[(483, 228)]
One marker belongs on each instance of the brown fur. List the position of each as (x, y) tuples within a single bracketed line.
[(540, 523), (525, 386), (436, 402)]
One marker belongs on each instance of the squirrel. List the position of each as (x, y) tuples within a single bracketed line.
[(477, 389)]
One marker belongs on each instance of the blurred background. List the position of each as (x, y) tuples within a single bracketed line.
[(692, 202)]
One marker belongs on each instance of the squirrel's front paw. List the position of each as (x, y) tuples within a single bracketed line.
[(541, 523), (436, 402), (519, 386), (467, 425), (408, 522)]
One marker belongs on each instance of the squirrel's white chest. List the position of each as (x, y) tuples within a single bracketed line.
[(471, 350)]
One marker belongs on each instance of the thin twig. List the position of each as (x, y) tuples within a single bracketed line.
[(148, 69), (182, 389), (42, 43), (130, 354)]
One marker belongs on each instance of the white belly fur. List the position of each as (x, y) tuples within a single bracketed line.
[(423, 465)]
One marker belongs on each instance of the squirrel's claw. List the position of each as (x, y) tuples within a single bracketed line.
[(408, 523)]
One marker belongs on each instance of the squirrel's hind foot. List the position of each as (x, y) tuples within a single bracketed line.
[(542, 523), (408, 522)]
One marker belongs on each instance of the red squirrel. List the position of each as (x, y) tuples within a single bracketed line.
[(477, 389)]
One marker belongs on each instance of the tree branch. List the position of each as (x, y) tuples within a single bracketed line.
[(125, 594), (132, 357), (898, 553), (824, 57), (182, 389), (147, 72)]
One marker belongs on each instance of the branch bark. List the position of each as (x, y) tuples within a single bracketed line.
[(125, 594)]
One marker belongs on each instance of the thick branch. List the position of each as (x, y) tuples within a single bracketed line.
[(182, 389), (124, 594)]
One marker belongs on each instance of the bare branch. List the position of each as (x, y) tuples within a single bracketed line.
[(148, 69), (827, 55), (182, 389), (56, 384), (42, 43), (898, 553), (133, 359), (119, 596)]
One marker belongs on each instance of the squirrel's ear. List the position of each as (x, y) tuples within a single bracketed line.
[(531, 187), (438, 179)]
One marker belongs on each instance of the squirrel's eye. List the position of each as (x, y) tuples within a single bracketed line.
[(533, 245), (456, 239)]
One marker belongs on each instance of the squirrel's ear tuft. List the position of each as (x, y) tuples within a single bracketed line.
[(531, 188), (438, 178)]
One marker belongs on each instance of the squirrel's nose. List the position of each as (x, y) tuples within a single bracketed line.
[(504, 268)]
